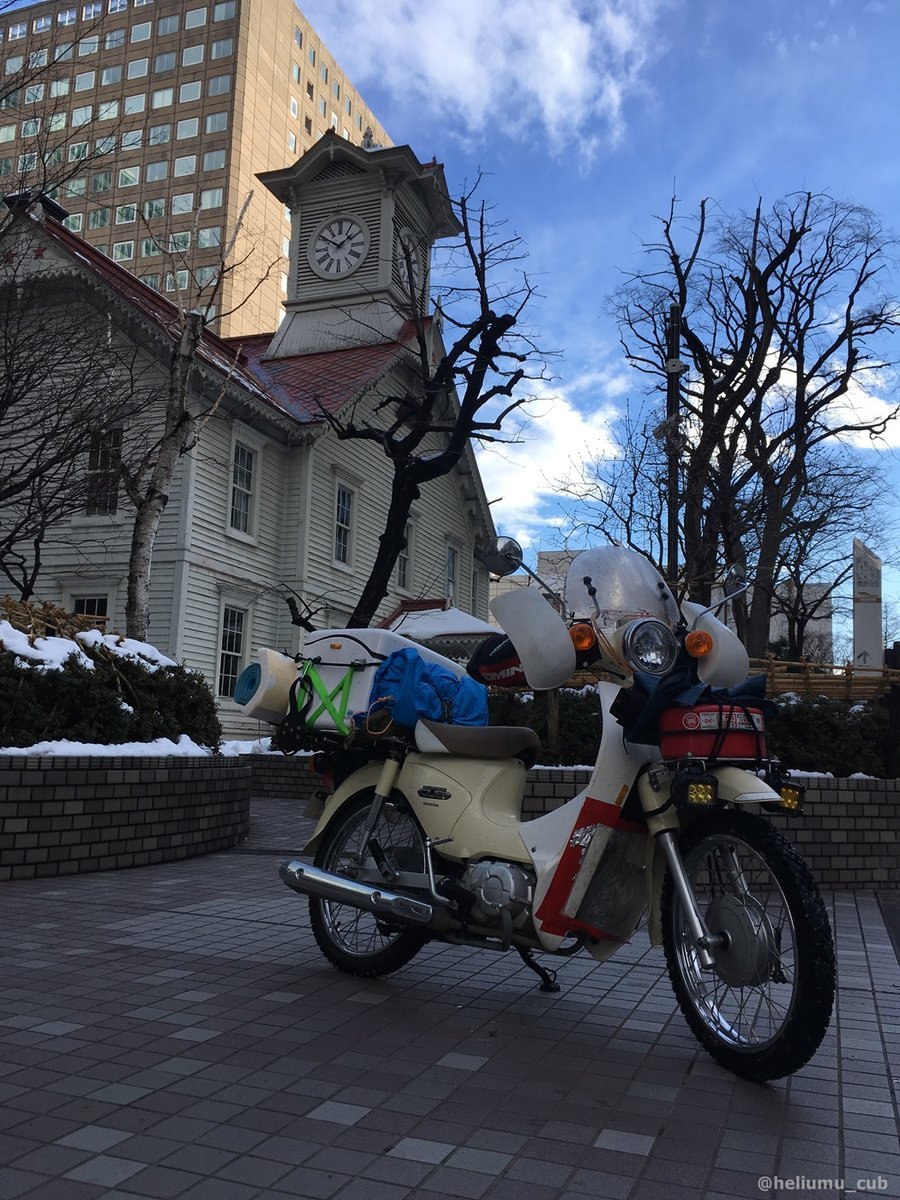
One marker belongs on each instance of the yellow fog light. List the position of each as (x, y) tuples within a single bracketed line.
[(791, 797), (695, 788)]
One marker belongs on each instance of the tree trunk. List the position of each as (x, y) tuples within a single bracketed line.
[(404, 491)]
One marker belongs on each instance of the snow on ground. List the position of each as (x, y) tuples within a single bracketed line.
[(160, 748)]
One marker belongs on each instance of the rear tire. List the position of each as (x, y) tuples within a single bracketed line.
[(354, 940), (763, 1011)]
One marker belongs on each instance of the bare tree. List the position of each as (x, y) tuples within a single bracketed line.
[(784, 319), (455, 394), (64, 381)]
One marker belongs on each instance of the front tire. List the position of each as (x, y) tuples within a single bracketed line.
[(763, 1010), (354, 940)]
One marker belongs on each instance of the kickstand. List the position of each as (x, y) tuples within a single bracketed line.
[(548, 978)]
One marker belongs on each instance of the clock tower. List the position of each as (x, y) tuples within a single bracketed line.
[(363, 222)]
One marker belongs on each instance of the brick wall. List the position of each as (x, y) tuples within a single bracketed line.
[(62, 816), (848, 833)]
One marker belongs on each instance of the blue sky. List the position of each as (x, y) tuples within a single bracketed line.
[(587, 115)]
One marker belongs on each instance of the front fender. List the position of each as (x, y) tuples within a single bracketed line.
[(365, 779), (735, 786)]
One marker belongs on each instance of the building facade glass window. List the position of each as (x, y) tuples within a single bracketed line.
[(231, 649), (343, 524), (242, 481), (102, 483)]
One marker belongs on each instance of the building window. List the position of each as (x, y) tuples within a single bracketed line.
[(242, 479), (18, 31), (152, 281), (221, 12), (134, 104), (298, 38), (31, 127), (90, 11), (207, 238), (84, 81), (166, 25), (88, 45), (141, 33), (343, 524), (104, 455), (98, 218), (451, 573), (231, 654), (42, 24), (295, 72), (310, 92), (307, 124), (7, 133), (214, 160), (292, 141), (74, 222), (105, 145), (76, 187), (96, 607), (34, 93), (211, 198), (122, 251), (59, 87), (216, 123), (177, 281), (190, 91), (295, 108), (27, 162), (192, 56), (185, 165), (110, 75), (154, 208), (165, 62), (188, 128), (195, 18), (67, 17), (219, 85), (101, 181), (108, 110), (150, 247), (81, 116), (223, 48), (63, 53), (183, 202), (403, 559), (179, 243), (117, 6), (206, 275), (138, 68), (156, 171), (311, 55), (159, 135), (126, 214), (56, 122), (323, 73), (114, 39), (77, 150), (37, 59), (129, 176), (132, 139)]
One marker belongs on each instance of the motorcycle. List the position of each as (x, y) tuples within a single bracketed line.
[(420, 835)]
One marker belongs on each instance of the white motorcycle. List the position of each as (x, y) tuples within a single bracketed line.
[(421, 836)]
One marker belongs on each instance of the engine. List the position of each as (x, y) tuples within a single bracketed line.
[(497, 886)]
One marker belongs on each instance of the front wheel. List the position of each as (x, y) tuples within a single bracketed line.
[(355, 940), (764, 1008)]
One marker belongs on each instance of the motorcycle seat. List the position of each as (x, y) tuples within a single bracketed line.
[(478, 741)]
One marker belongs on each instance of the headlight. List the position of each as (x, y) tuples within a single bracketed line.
[(650, 646)]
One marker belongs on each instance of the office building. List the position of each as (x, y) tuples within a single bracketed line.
[(174, 107)]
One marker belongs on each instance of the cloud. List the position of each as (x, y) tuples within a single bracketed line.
[(523, 479), (566, 67)]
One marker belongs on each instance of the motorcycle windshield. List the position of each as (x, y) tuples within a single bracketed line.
[(626, 584)]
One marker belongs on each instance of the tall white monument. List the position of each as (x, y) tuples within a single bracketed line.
[(868, 640)]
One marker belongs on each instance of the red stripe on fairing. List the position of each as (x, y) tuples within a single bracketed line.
[(550, 914)]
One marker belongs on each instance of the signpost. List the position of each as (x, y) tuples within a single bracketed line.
[(868, 640)]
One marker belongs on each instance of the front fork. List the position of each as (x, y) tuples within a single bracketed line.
[(390, 770), (664, 826)]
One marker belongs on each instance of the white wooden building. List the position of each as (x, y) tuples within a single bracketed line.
[(270, 499)]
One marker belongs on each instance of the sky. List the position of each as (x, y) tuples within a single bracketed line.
[(587, 116)]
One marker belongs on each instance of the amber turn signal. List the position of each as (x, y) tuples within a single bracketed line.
[(698, 643), (583, 637)]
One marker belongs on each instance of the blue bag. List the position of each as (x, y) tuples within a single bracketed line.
[(410, 687)]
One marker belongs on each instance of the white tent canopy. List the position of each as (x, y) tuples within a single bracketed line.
[(447, 630)]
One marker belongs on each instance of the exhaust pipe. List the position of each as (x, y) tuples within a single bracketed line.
[(312, 881)]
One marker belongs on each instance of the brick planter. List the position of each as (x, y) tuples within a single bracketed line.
[(62, 816)]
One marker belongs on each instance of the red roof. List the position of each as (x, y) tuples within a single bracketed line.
[(296, 386), (309, 383)]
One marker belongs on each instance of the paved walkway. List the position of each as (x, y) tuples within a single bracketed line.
[(173, 1032)]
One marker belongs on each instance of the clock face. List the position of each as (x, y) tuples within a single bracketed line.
[(408, 256), (338, 246)]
